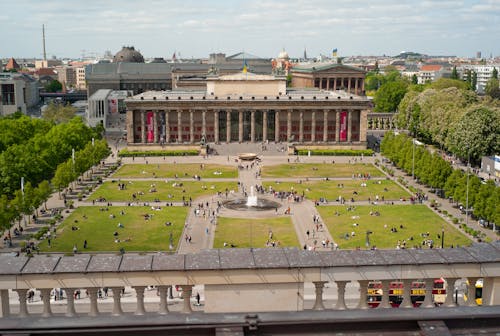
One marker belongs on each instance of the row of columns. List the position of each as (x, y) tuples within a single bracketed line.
[(358, 86), (380, 123), (252, 126), (187, 292)]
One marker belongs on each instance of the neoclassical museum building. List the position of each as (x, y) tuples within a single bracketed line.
[(248, 107)]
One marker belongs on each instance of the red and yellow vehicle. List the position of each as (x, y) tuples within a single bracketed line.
[(417, 293)]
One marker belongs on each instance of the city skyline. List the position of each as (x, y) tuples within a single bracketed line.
[(195, 29)]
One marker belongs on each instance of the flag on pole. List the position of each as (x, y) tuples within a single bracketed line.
[(245, 66), (334, 52)]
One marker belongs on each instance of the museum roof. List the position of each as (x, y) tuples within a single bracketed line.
[(322, 66), (247, 76)]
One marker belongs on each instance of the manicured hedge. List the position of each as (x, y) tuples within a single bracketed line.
[(190, 152), (335, 152)]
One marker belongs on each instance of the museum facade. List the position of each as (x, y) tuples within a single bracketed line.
[(247, 107)]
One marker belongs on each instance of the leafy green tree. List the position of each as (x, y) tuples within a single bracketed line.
[(388, 97), (58, 113), (494, 73), (64, 175), (414, 79), (476, 134), (454, 73), (492, 88), (53, 86), (444, 83), (474, 81), (7, 213), (44, 191)]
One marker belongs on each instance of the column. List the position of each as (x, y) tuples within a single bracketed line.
[(228, 126), (335, 84), (363, 125), (204, 124), (301, 126), (139, 293), (325, 125), (328, 83), (163, 309), (130, 126), (320, 86), (289, 125), (277, 126), (264, 125), (471, 291), (349, 125), (143, 126), (5, 307), (191, 126), (70, 298), (428, 302), (450, 289), (406, 294), (216, 126), (187, 290), (313, 126), (362, 85), (179, 126), (117, 307), (93, 301), (240, 126), (318, 303), (252, 126), (356, 86), (23, 307), (349, 84), (384, 303), (337, 126), (167, 127), (155, 126), (45, 292), (341, 295), (363, 297)]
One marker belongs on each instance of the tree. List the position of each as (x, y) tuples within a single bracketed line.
[(44, 191), (414, 79), (7, 213), (474, 81), (444, 83), (390, 94), (492, 88), (58, 113), (454, 73), (53, 86), (494, 74)]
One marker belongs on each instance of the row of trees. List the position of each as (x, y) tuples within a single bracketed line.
[(433, 171)]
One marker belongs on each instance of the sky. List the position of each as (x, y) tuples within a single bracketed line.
[(196, 28)]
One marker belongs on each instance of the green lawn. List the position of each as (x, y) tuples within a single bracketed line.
[(416, 219), (171, 170), (304, 170), (252, 232), (98, 229), (170, 191), (332, 189)]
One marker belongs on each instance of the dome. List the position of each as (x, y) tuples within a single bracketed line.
[(283, 55), (128, 54)]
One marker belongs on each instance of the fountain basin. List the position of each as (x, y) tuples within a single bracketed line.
[(241, 204), (247, 156)]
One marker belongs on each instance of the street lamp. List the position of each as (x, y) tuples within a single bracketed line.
[(442, 237), (413, 161), (467, 191)]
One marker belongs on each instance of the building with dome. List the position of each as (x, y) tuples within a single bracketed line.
[(128, 55)]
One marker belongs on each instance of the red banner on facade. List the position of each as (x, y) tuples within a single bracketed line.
[(149, 126), (343, 126)]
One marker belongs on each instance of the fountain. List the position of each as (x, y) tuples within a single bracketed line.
[(251, 203)]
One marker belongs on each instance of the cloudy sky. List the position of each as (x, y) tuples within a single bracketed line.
[(196, 28)]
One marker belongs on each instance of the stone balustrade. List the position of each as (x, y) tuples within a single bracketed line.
[(246, 280)]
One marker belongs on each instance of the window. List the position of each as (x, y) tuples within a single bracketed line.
[(8, 94)]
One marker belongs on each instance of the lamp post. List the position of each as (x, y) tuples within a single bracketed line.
[(442, 237), (413, 161), (467, 191)]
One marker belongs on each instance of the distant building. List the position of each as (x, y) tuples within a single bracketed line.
[(484, 74), (491, 165), (429, 73), (18, 92), (66, 75), (51, 63), (107, 107), (80, 78), (12, 65)]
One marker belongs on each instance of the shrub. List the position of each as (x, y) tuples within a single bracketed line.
[(39, 234), (188, 152), (335, 152)]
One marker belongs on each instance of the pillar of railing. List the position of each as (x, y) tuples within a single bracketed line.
[(117, 306), (363, 297), (471, 291), (23, 307), (450, 289), (341, 295), (406, 294), (428, 301), (187, 290), (162, 291), (170, 292), (70, 301), (384, 303), (45, 292), (139, 293), (318, 303), (92, 292)]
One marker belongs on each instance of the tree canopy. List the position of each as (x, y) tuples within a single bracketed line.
[(53, 86), (58, 113)]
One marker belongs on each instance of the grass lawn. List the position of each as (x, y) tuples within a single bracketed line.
[(416, 219), (98, 229), (183, 170), (252, 232), (331, 190), (304, 170), (165, 192)]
